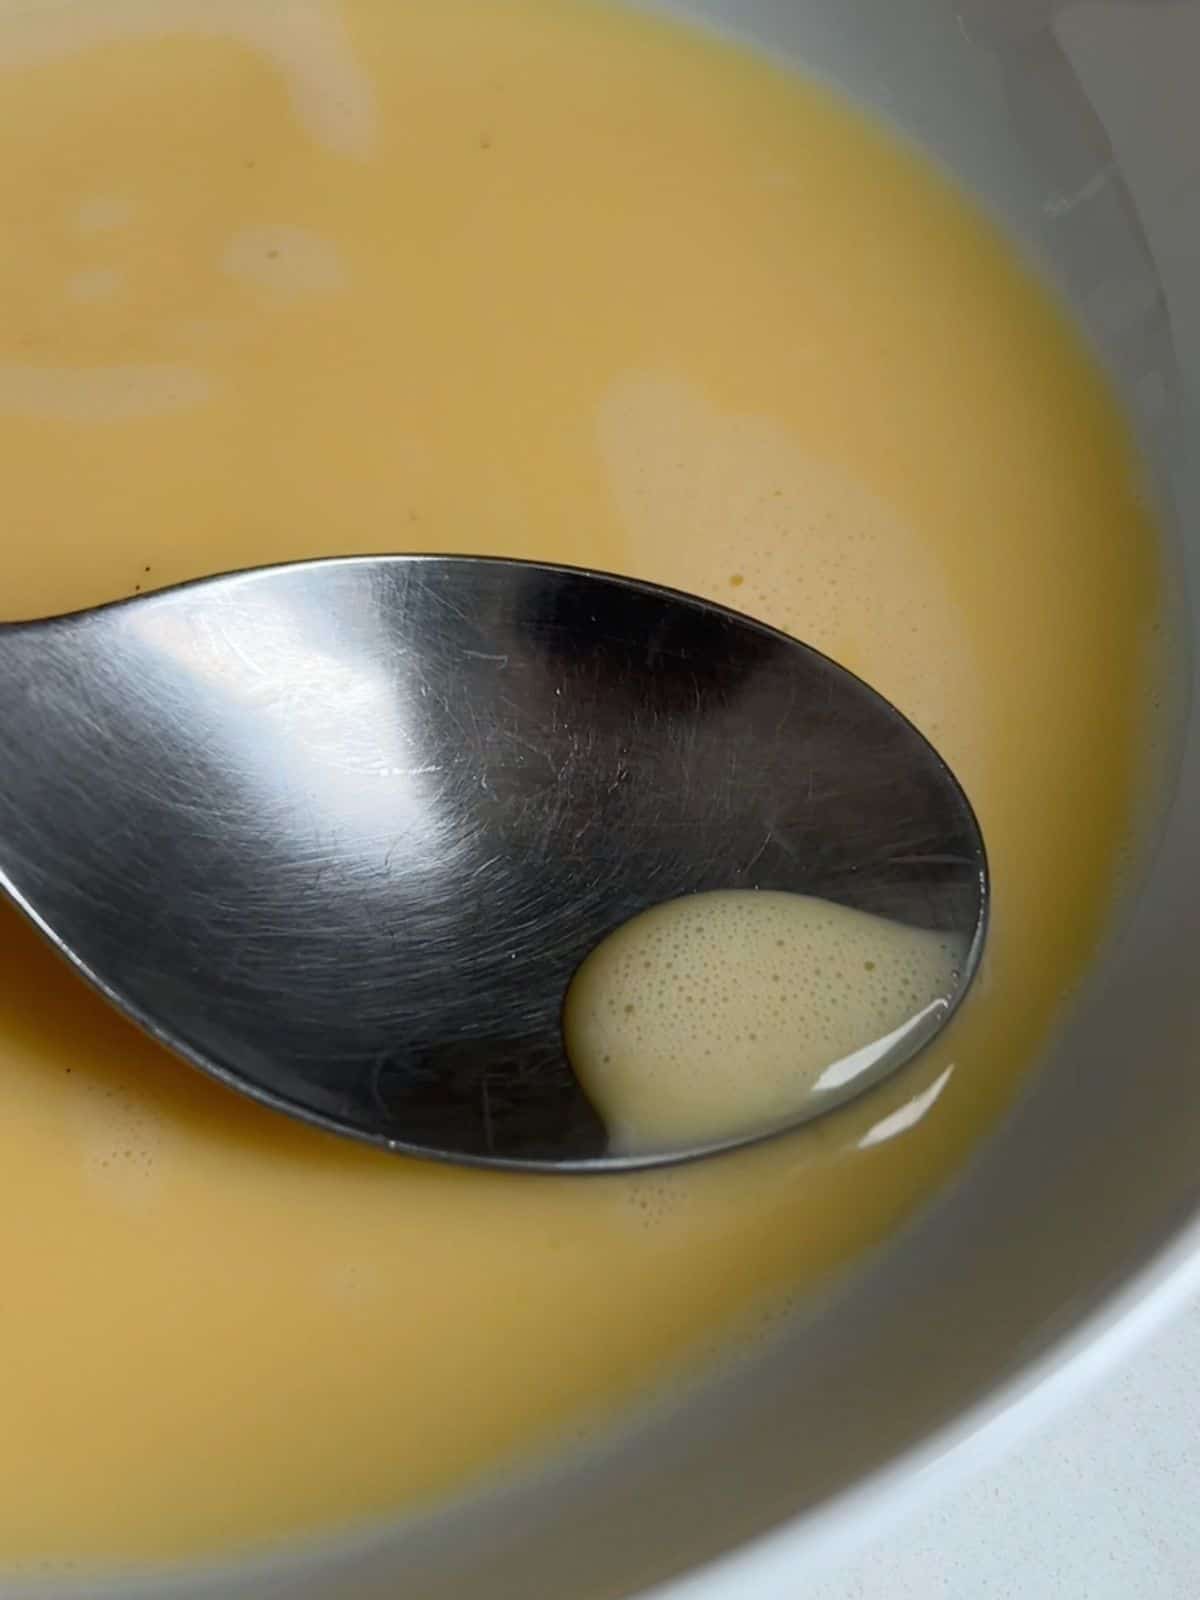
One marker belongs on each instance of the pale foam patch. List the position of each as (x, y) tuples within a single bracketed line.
[(103, 213), (724, 1013), (99, 394), (122, 1139), (94, 283), (731, 507), (354, 1281), (284, 259), (306, 40)]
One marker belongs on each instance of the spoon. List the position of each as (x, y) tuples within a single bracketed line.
[(340, 833)]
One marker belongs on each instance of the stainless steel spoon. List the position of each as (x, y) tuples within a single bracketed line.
[(340, 833)]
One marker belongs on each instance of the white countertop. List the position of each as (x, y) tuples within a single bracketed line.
[(1102, 1505)]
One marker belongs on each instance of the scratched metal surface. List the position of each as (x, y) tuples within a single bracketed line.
[(342, 832)]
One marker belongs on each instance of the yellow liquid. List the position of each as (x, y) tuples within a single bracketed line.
[(289, 280)]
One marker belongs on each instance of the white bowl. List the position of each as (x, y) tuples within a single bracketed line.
[(1077, 1224)]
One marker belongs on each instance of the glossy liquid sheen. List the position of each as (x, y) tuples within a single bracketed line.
[(535, 278)]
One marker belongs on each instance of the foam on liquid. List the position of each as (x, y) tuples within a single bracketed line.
[(729, 1012)]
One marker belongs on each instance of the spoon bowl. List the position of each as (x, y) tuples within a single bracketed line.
[(340, 833)]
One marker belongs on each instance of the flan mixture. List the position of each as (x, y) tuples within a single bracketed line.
[(735, 1012), (547, 279)]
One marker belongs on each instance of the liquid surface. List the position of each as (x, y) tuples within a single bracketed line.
[(294, 280), (731, 1012)]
